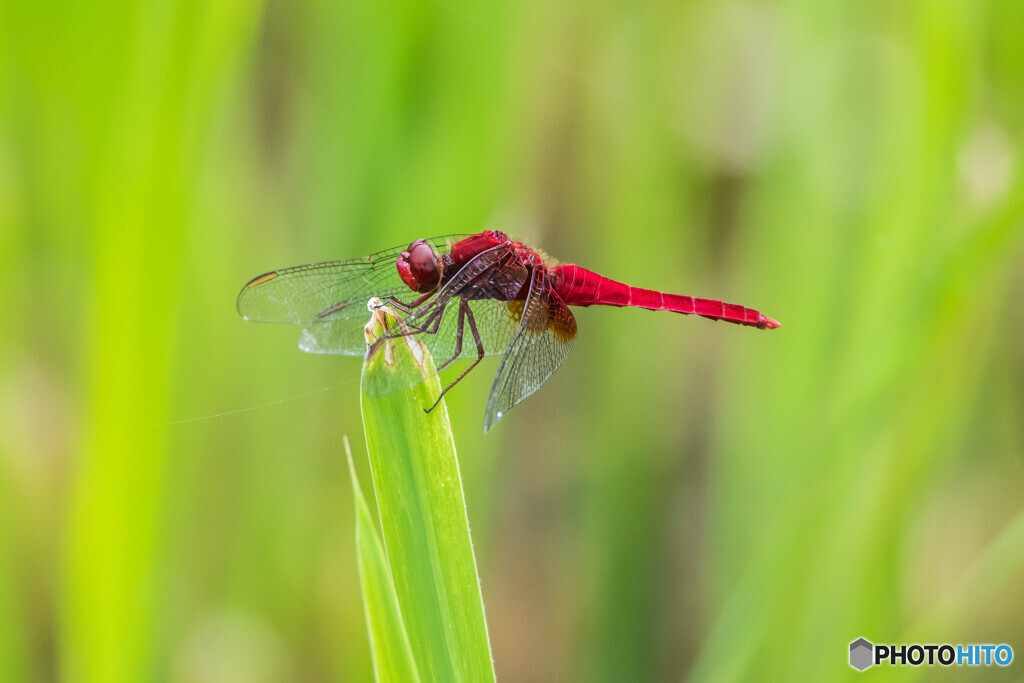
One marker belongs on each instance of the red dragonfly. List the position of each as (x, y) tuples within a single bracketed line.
[(510, 298)]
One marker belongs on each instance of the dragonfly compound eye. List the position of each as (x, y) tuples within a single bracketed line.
[(420, 266)]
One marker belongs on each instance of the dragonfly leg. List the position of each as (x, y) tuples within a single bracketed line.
[(463, 307), (429, 326), (464, 312), (433, 319), (413, 308), (404, 329)]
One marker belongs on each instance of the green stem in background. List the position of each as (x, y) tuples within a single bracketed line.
[(423, 513)]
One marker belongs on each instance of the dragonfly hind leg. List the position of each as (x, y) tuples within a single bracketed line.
[(465, 313), (458, 337)]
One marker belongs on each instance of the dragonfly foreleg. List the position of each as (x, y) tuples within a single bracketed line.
[(403, 328), (406, 329), (465, 313), (413, 308)]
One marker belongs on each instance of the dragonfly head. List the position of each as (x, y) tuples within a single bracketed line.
[(420, 266)]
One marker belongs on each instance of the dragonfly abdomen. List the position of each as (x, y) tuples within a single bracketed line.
[(581, 287)]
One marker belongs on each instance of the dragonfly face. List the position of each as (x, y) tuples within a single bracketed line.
[(420, 266)]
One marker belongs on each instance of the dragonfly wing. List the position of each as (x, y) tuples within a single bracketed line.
[(340, 336), (329, 297), (540, 343), (496, 323), (436, 321)]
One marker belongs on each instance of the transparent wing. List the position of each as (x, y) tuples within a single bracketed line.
[(330, 290), (541, 342), (489, 275), (496, 322)]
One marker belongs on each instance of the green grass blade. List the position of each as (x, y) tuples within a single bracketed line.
[(423, 516), (389, 641)]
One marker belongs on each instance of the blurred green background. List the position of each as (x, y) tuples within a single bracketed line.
[(684, 498)]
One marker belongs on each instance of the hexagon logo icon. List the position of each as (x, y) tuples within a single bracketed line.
[(861, 654)]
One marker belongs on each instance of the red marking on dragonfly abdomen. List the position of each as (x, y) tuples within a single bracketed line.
[(581, 287)]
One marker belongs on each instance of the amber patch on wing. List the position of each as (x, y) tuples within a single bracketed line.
[(261, 279), (537, 322), (515, 309), (332, 309), (561, 320)]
